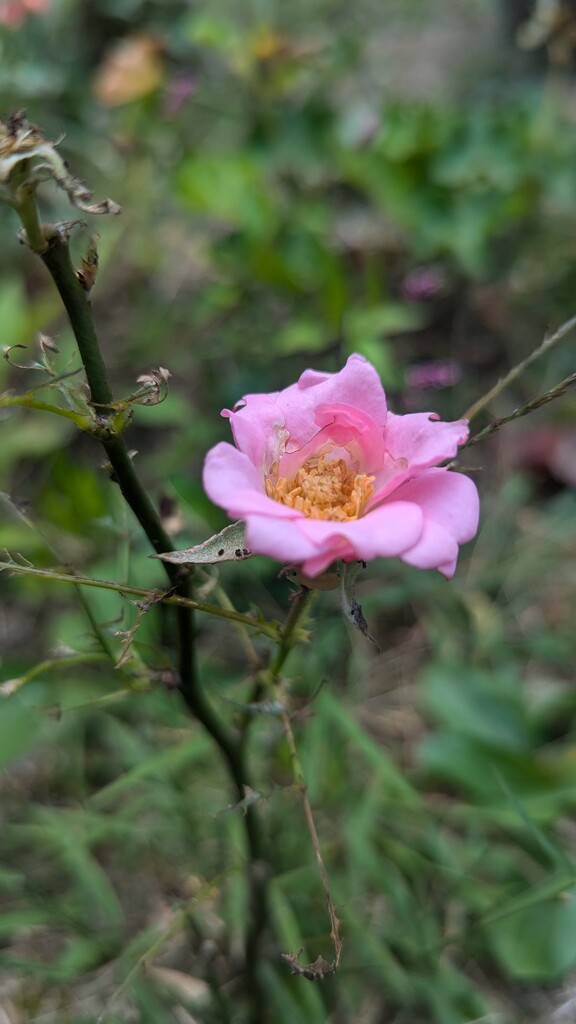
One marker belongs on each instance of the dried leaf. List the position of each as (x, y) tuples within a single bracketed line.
[(23, 143), (6, 353), (87, 276), (227, 546), (316, 971), (352, 610), (154, 387)]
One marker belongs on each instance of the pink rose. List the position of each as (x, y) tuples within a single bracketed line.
[(322, 471)]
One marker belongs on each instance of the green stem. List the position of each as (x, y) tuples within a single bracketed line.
[(268, 629), (75, 299), (57, 259), (300, 607), (259, 873), (28, 211), (51, 665), (25, 402)]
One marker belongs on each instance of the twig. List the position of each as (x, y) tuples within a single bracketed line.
[(549, 341), (57, 260), (10, 686), (321, 968), (300, 606), (270, 629), (522, 410), (129, 635)]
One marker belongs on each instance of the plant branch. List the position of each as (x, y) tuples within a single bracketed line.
[(51, 243), (270, 629), (300, 606), (75, 299), (25, 206), (27, 402), (320, 968), (549, 341), (522, 410), (57, 260)]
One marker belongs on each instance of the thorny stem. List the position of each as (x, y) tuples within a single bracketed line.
[(300, 606), (549, 341), (323, 967), (523, 410), (259, 871), (75, 299), (270, 629), (56, 258)]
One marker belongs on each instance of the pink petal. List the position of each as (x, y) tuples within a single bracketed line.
[(341, 552), (422, 439), (287, 542), (344, 426), (449, 503), (279, 539), (435, 548), (232, 481), (316, 543), (385, 532), (254, 422), (357, 385), (413, 443)]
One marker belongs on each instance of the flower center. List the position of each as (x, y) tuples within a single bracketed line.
[(324, 489)]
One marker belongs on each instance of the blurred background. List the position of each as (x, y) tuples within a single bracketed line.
[(298, 181)]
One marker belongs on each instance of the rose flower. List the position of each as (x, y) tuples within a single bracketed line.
[(323, 471)]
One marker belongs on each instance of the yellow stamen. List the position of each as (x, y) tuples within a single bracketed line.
[(324, 489)]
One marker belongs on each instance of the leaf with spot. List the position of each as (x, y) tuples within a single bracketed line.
[(227, 546)]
